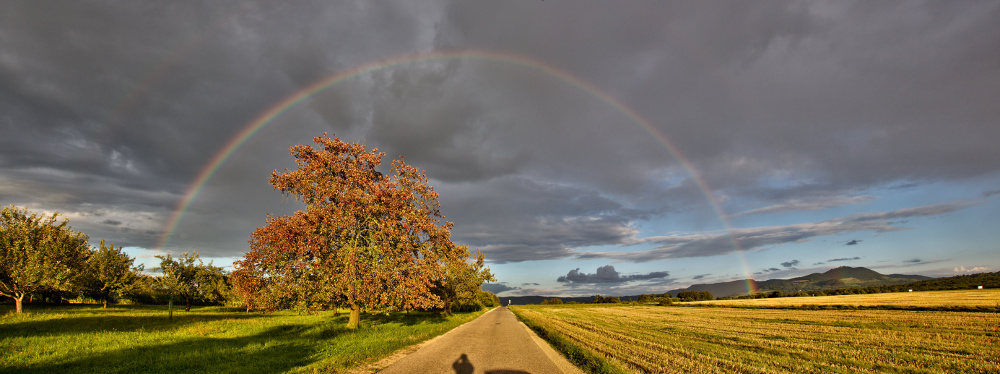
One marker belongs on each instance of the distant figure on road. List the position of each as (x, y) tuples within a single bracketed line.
[(508, 302)]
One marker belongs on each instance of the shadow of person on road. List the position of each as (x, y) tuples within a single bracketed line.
[(462, 365)]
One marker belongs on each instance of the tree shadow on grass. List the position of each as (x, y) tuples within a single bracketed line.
[(277, 349), (405, 319), (81, 321)]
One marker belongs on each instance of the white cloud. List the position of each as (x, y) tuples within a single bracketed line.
[(973, 269)]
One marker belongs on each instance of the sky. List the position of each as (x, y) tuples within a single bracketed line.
[(585, 147)]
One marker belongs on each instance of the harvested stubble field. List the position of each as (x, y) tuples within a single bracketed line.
[(961, 299), (656, 339)]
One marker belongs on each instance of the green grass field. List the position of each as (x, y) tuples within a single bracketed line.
[(128, 339), (718, 339)]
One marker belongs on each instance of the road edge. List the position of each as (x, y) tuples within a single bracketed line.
[(557, 358), (403, 352)]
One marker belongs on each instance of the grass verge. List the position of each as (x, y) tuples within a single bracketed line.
[(582, 358)]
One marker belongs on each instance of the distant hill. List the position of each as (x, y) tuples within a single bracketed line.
[(736, 287), (841, 277)]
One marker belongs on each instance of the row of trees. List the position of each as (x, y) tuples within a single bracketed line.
[(654, 298), (598, 299), (694, 295), (41, 255)]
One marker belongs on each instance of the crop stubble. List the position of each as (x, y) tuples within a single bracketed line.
[(695, 339)]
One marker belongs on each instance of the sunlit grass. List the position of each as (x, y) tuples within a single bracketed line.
[(84, 338), (723, 339)]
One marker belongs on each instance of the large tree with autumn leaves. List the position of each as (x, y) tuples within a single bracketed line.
[(370, 240)]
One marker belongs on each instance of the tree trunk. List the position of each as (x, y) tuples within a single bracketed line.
[(19, 303), (187, 307), (105, 303), (170, 308), (355, 319), (447, 308)]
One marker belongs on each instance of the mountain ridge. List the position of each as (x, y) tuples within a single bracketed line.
[(836, 278)]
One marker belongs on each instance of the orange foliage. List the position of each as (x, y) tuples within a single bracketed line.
[(370, 240)]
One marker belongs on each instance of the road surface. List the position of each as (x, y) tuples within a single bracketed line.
[(494, 343)]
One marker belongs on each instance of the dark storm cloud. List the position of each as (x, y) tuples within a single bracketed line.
[(514, 219), (781, 106), (121, 105), (790, 264), (607, 274), (498, 287), (712, 244), (838, 260), (855, 258), (765, 271)]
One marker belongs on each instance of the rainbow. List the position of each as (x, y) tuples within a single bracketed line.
[(294, 100)]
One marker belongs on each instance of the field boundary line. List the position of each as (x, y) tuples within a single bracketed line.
[(584, 359), (560, 360), (970, 309)]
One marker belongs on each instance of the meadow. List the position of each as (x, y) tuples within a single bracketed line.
[(127, 339), (665, 339)]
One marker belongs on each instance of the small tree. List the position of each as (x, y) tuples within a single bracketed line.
[(179, 278), (213, 284), (37, 253), (462, 283), (489, 299), (254, 287), (108, 273)]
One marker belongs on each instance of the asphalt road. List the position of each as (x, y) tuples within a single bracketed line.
[(494, 343)]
